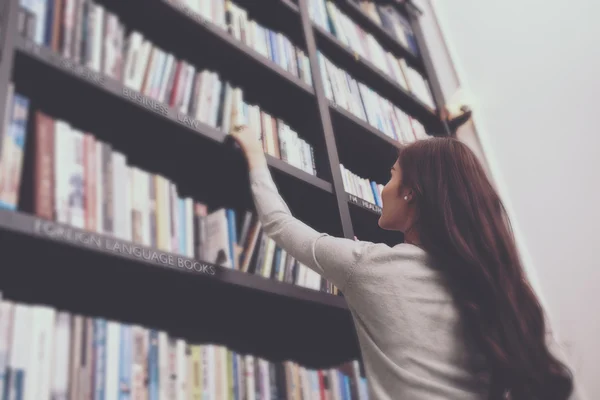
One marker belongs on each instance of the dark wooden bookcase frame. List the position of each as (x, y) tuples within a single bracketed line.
[(46, 262)]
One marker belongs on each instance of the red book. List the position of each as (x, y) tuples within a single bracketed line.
[(89, 179), (44, 166)]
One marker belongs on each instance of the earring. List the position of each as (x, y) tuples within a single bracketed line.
[(405, 197)]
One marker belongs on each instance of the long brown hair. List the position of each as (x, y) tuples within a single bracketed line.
[(462, 222)]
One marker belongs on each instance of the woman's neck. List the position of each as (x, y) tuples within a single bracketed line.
[(411, 236)]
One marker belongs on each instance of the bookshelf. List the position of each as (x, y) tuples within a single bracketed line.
[(100, 275)]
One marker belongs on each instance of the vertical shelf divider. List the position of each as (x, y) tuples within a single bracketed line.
[(323, 104), (414, 14)]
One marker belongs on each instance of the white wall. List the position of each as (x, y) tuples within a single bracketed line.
[(534, 67)]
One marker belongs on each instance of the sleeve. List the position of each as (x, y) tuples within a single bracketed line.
[(332, 258)]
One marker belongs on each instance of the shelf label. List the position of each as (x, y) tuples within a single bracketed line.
[(365, 204), (188, 121), (146, 102), (79, 237), (64, 63)]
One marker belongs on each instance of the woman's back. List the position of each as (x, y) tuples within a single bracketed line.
[(411, 334), (413, 314)]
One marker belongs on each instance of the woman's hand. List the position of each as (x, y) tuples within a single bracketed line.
[(251, 145)]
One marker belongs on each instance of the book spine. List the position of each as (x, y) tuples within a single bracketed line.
[(100, 359), (44, 167)]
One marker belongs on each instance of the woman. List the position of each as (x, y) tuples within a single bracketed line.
[(449, 313)]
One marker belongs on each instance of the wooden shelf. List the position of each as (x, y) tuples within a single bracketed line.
[(363, 204), (364, 126), (366, 72), (45, 59), (48, 230)]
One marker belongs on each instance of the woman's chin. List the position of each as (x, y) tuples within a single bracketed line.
[(382, 223)]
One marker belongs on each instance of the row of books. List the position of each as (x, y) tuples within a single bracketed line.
[(328, 16), (270, 44), (361, 101), (392, 21), (84, 182), (273, 45), (362, 188), (203, 95), (88, 33), (51, 354)]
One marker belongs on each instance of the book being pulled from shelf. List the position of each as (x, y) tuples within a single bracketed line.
[(364, 103), (362, 188), (52, 354), (84, 182), (13, 133), (392, 21), (272, 45)]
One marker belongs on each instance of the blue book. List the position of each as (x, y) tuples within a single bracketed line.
[(100, 357), (49, 24), (276, 261), (236, 389), (126, 361), (375, 193), (272, 46), (182, 224), (231, 225), (11, 159), (153, 365), (347, 392)]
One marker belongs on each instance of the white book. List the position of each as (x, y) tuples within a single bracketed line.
[(62, 149), (209, 370), (163, 366), (132, 58), (249, 369), (111, 380), (37, 386), (39, 9), (99, 187), (6, 327), (215, 100), (182, 372), (189, 227), (141, 65), (76, 187), (217, 239), (119, 195), (95, 61), (59, 386), (33, 373), (147, 73), (20, 349), (163, 96), (144, 188), (187, 89), (227, 106)]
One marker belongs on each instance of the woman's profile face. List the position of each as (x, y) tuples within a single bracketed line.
[(394, 214)]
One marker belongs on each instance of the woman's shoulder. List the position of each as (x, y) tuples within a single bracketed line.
[(382, 253), (402, 260)]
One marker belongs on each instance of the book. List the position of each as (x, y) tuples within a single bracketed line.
[(13, 148), (159, 360)]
